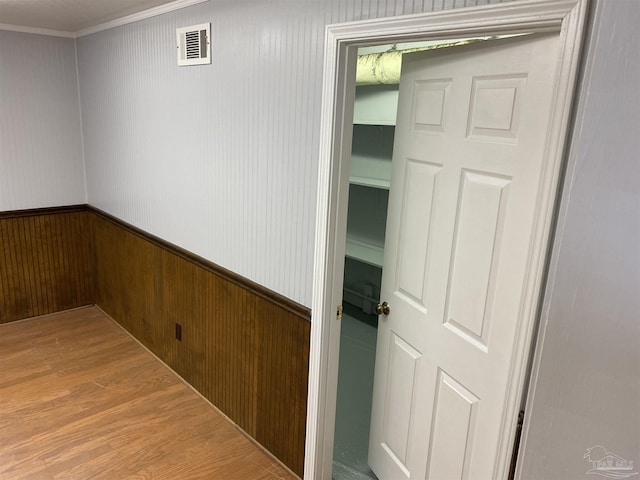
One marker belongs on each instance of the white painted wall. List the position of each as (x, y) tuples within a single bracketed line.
[(586, 382), (41, 161), (219, 159)]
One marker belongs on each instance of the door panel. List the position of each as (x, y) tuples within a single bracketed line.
[(416, 221), (475, 253), (496, 102), (430, 104), (397, 415), (454, 415), (467, 169)]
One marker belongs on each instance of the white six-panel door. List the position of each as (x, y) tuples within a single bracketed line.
[(467, 171)]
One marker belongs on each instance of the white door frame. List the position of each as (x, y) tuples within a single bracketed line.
[(566, 17)]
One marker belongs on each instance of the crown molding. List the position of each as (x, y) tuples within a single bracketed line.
[(37, 31), (118, 22), (136, 17)]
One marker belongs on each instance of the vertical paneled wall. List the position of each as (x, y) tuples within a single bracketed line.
[(244, 348), (585, 388), (41, 161), (219, 159), (45, 262)]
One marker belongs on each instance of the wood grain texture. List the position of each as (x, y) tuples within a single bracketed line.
[(246, 353), (81, 399), (45, 263)]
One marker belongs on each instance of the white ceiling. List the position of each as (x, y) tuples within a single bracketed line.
[(70, 15)]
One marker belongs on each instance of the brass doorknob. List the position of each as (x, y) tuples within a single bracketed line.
[(385, 308)]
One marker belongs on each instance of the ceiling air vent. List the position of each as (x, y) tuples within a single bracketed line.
[(193, 44)]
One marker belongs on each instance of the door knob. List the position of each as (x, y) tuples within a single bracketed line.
[(385, 308)]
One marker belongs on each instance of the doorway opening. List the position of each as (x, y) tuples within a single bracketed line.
[(378, 75), (566, 19)]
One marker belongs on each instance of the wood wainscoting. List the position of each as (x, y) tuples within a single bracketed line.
[(245, 348), (45, 263)]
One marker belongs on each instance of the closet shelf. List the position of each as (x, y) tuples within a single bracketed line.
[(370, 182), (365, 252)]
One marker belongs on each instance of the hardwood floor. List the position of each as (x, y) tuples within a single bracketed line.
[(80, 399)]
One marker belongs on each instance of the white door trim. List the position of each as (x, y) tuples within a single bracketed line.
[(341, 42)]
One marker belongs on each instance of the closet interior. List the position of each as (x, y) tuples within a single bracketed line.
[(369, 181)]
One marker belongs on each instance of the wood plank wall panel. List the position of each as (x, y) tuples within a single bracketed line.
[(45, 263), (282, 376), (245, 350)]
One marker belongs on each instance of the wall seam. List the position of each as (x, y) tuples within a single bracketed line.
[(83, 152)]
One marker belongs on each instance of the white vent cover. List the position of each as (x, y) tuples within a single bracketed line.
[(193, 44)]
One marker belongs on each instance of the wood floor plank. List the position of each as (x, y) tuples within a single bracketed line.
[(80, 399)]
